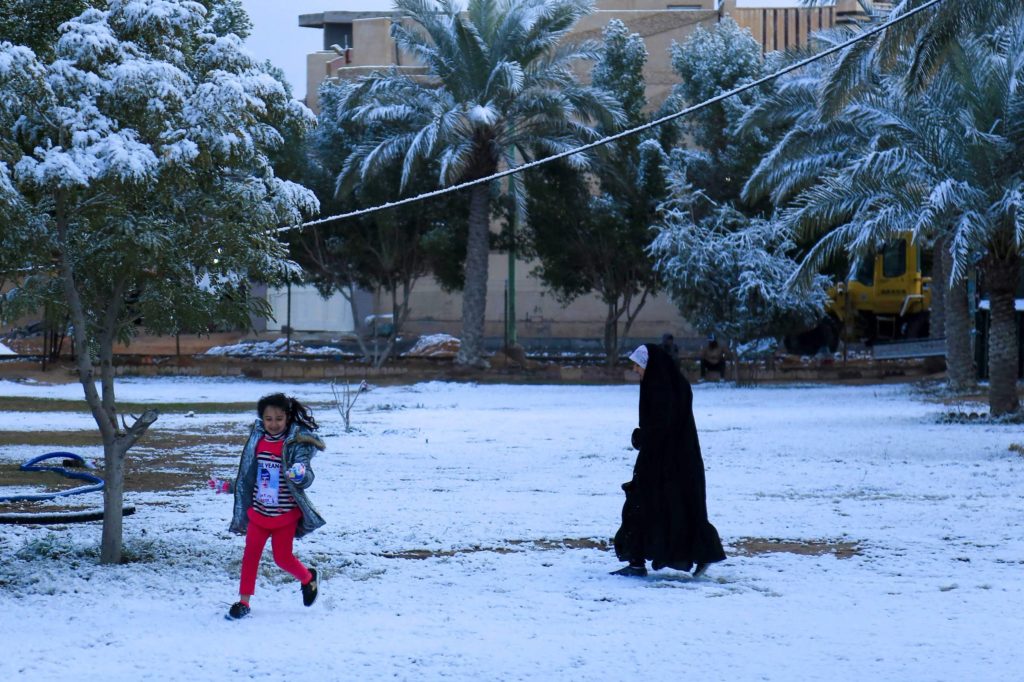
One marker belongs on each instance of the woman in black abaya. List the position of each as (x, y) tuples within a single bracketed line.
[(665, 517)]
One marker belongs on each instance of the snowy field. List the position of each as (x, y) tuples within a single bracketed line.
[(510, 492)]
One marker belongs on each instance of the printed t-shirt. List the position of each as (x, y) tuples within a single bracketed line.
[(271, 496)]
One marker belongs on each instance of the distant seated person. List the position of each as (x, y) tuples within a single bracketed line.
[(668, 344), (712, 358)]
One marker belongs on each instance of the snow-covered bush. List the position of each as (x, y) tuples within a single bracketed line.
[(728, 272)]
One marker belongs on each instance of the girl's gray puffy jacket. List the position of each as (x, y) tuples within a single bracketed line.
[(299, 446)]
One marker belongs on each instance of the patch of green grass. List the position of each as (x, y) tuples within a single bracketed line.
[(53, 547)]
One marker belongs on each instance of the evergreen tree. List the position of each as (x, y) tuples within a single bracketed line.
[(728, 272), (720, 255), (34, 23), (719, 156)]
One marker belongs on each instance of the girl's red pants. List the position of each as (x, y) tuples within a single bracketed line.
[(281, 531)]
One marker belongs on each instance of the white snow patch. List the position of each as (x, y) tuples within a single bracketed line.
[(463, 470), (274, 348), (1018, 304)]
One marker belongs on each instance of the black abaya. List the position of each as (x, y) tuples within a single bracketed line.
[(665, 516)]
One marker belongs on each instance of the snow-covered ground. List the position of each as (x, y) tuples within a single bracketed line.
[(491, 479)]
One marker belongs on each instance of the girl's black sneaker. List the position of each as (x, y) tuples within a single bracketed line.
[(238, 610), (310, 589)]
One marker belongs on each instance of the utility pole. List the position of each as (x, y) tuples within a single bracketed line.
[(510, 304), (288, 324)]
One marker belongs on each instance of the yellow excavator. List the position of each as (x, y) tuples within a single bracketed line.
[(887, 299)]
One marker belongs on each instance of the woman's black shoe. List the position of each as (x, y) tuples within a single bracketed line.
[(700, 570), (238, 610), (633, 571)]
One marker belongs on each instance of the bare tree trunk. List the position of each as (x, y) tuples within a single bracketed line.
[(474, 293), (611, 335), (113, 503), (960, 370), (940, 277), (356, 321), (115, 441), (113, 449), (631, 315), (110, 543), (1001, 277), (399, 314)]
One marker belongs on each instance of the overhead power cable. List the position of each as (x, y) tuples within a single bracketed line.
[(620, 135)]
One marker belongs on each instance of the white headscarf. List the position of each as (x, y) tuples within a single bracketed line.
[(639, 356)]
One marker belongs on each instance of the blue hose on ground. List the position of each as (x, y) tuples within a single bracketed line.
[(32, 465)]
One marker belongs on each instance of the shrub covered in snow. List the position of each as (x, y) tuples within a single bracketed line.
[(729, 272)]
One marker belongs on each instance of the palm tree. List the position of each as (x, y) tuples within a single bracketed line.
[(944, 163), (817, 143), (928, 37), (499, 85)]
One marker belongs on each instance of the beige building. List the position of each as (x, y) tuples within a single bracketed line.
[(357, 43)]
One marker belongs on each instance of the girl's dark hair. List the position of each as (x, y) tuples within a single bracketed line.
[(296, 411)]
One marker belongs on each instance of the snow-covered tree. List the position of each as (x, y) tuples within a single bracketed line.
[(34, 23), (500, 86), (719, 157), (227, 16), (137, 157), (721, 256), (729, 273), (589, 231)]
